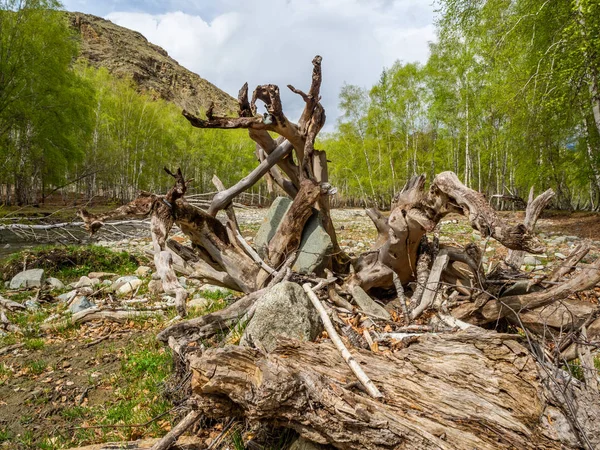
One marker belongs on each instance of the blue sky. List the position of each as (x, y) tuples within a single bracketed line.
[(230, 42)]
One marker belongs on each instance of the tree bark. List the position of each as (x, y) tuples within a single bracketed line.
[(466, 390)]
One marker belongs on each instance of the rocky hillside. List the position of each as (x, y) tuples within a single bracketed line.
[(127, 53)]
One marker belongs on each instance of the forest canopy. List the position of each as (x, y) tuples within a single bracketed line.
[(508, 99)]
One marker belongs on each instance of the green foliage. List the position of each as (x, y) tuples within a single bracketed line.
[(37, 367), (44, 106), (505, 101), (69, 262), (34, 344)]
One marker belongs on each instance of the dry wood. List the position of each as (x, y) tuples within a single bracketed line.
[(223, 198), (590, 373), (401, 297), (432, 287), (183, 443), (513, 306), (10, 348), (335, 338), (204, 327), (113, 315), (11, 305), (490, 395), (166, 442), (287, 237), (566, 266), (532, 213)]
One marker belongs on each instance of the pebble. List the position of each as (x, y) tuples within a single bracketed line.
[(55, 283), (32, 305), (143, 271)]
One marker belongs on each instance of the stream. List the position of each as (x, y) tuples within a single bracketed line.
[(16, 237)]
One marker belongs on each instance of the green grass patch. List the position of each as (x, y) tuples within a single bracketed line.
[(69, 262), (5, 435), (138, 393), (217, 294), (34, 344), (37, 367)]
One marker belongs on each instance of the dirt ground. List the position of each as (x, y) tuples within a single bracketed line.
[(91, 383)]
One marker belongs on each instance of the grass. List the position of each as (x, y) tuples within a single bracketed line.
[(132, 395), (34, 344), (5, 373), (37, 367), (69, 262)]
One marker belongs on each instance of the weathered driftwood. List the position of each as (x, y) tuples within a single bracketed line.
[(512, 306), (415, 212), (194, 330), (113, 315), (445, 391), (11, 305), (183, 443), (171, 437), (432, 286), (532, 213)]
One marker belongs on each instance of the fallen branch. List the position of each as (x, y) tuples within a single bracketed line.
[(113, 315), (360, 374), (171, 437)]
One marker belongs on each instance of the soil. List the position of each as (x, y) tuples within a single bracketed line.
[(76, 373)]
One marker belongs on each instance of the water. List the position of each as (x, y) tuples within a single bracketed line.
[(17, 240)]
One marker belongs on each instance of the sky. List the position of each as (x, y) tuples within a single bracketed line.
[(229, 42)]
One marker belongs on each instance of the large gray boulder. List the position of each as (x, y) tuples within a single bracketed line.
[(285, 311), (55, 283), (270, 224), (28, 279), (315, 244), (315, 247)]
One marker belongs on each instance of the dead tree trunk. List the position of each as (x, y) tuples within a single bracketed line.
[(456, 391)]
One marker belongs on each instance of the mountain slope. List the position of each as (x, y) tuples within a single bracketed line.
[(126, 53)]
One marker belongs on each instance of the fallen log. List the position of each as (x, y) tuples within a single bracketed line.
[(472, 389)]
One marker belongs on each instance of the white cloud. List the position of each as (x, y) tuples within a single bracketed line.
[(275, 41)]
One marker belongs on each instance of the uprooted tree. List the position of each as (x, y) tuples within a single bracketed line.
[(454, 377)]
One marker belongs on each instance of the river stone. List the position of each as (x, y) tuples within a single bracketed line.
[(199, 302), (87, 282), (155, 287), (213, 289), (315, 247), (560, 255), (285, 311), (367, 304), (270, 224), (67, 296), (531, 261), (143, 271), (28, 279), (101, 275), (32, 305), (81, 303), (125, 285), (55, 283)]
